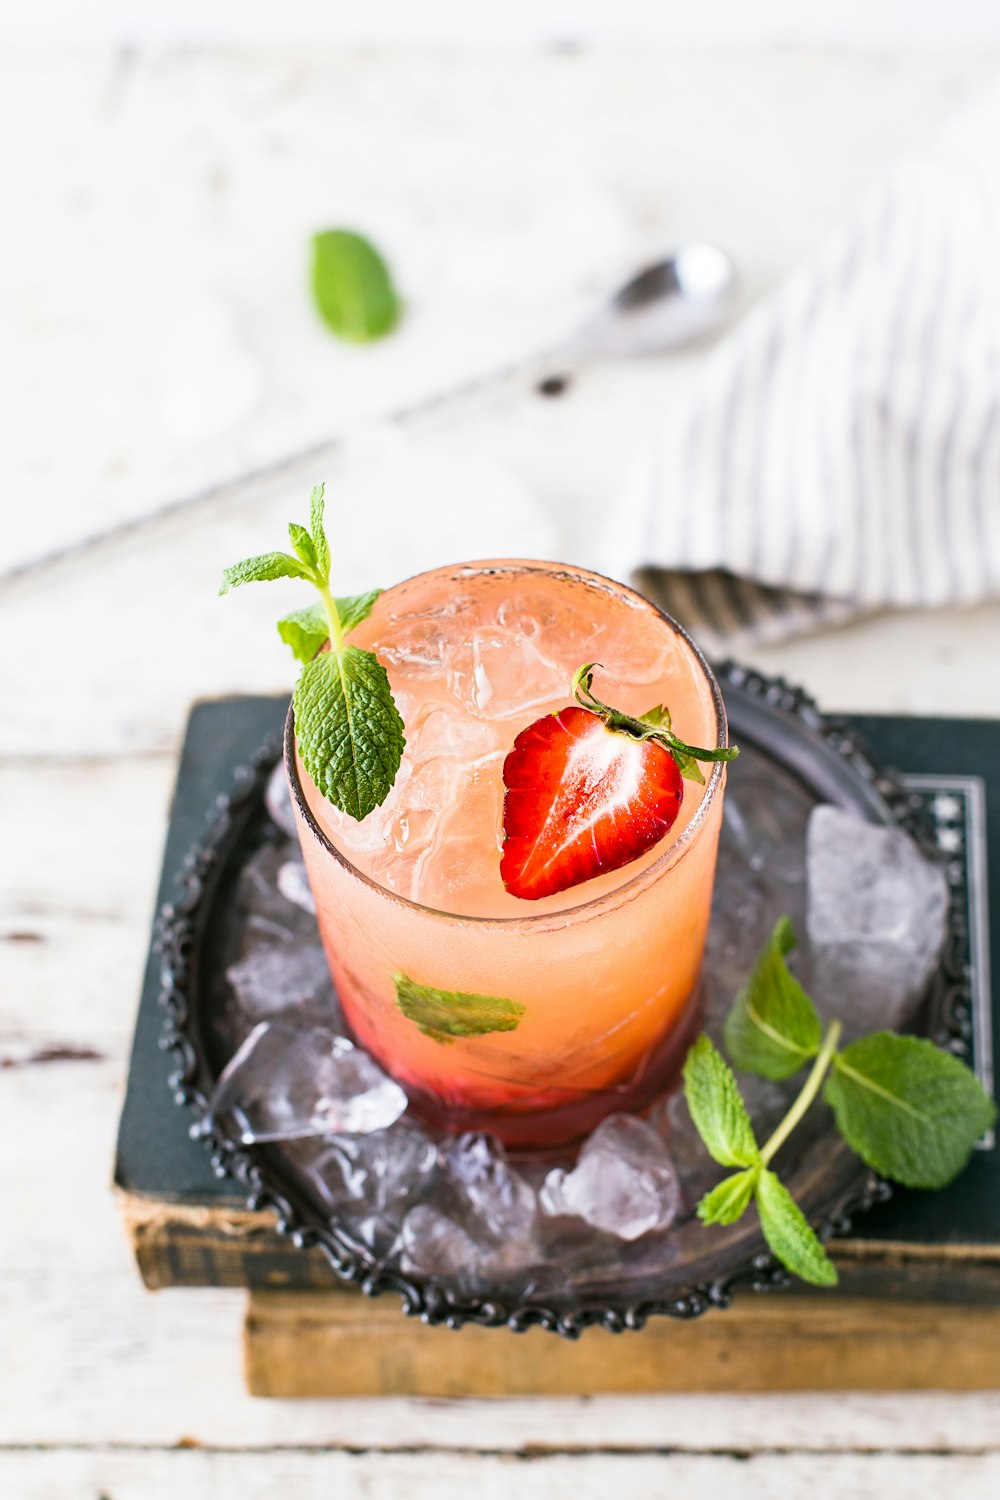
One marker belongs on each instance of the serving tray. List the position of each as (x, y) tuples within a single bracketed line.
[(793, 759)]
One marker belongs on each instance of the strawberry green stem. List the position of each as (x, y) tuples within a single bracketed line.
[(809, 1091), (641, 729)]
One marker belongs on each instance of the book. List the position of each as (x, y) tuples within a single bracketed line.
[(307, 1344), (191, 1228)]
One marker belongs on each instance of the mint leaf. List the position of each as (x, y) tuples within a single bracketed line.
[(348, 730), (789, 1234), (316, 506), (729, 1199), (305, 631), (303, 544), (352, 287), (260, 569), (910, 1110), (446, 1014), (353, 608), (717, 1109), (772, 1028)]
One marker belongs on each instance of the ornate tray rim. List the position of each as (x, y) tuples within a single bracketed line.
[(434, 1300)]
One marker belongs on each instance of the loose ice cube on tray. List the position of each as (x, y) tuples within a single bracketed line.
[(278, 801), (477, 1166), (273, 976), (293, 883), (877, 918), (366, 1182), (435, 1243), (284, 1084), (624, 1182)]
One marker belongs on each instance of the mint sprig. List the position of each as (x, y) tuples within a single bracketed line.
[(723, 1122), (910, 1110), (347, 727), (653, 725)]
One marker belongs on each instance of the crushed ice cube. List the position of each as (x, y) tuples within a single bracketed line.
[(508, 675), (477, 1165), (419, 648), (270, 917), (278, 801), (624, 1182), (293, 883), (283, 1084), (272, 976), (877, 917)]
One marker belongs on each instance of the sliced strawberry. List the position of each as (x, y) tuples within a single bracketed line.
[(582, 798)]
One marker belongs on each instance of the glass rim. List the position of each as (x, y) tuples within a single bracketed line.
[(595, 905)]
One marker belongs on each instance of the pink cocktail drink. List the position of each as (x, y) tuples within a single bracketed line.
[(581, 1002)]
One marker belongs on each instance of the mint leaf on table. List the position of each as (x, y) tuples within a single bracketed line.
[(717, 1109), (789, 1235), (445, 1015), (909, 1109), (730, 1198), (352, 287), (348, 729), (773, 1028)]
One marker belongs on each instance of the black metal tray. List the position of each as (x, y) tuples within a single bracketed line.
[(801, 758)]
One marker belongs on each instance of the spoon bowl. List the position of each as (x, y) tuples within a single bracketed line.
[(675, 301)]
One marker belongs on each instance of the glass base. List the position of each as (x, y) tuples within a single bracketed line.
[(550, 1119)]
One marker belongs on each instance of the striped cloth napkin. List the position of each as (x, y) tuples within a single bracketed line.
[(840, 453)]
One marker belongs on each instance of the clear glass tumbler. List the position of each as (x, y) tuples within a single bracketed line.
[(602, 979)]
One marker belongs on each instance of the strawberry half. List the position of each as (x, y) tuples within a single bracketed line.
[(588, 790)]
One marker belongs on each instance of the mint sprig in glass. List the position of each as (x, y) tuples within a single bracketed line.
[(349, 731)]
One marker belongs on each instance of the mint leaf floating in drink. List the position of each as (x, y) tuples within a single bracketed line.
[(347, 727), (352, 287), (588, 790), (773, 1028), (445, 1015), (908, 1109)]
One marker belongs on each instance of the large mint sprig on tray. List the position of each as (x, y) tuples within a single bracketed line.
[(347, 726), (910, 1110)]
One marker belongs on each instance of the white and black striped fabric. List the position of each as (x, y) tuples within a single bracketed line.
[(840, 453)]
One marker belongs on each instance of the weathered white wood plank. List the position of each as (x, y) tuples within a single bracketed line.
[(91, 1358), (150, 633), (195, 352), (79, 865), (437, 1476)]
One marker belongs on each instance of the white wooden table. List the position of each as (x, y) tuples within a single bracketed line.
[(154, 339)]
